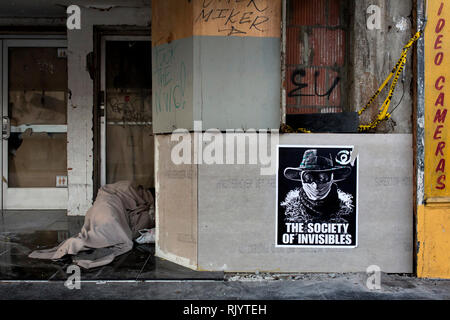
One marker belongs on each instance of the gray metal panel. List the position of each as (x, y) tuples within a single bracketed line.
[(237, 82), (172, 86), (237, 209), (230, 82)]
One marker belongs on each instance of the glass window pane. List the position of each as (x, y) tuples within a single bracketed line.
[(37, 96)]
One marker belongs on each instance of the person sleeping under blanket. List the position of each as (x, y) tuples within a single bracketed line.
[(120, 211)]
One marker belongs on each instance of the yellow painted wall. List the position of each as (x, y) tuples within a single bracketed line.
[(433, 218), (437, 93), (433, 233)]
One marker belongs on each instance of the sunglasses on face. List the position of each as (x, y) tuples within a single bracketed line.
[(317, 177)]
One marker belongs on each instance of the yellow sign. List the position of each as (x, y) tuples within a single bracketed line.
[(437, 85)]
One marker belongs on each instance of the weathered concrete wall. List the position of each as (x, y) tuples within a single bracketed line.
[(80, 105), (33, 11), (374, 54), (30, 22), (237, 213)]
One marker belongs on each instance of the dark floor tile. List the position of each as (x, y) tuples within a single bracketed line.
[(124, 267), (22, 232), (14, 261), (31, 220), (161, 269)]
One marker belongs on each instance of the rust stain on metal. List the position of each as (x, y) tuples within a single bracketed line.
[(315, 56)]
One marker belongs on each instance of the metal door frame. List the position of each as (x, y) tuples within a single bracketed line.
[(26, 198)]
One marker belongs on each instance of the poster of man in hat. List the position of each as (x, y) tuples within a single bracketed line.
[(317, 197)]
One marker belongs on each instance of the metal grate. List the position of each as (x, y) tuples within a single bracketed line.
[(316, 50)]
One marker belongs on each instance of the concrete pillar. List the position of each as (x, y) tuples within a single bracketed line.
[(79, 109), (217, 62)]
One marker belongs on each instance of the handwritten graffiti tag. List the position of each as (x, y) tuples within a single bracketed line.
[(171, 80), (299, 85), (131, 109), (235, 17)]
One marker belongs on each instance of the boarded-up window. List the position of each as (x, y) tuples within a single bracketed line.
[(316, 56)]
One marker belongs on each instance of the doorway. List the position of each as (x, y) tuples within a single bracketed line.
[(123, 82), (34, 123), (126, 137)]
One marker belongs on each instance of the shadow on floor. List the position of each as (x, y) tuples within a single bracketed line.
[(21, 232)]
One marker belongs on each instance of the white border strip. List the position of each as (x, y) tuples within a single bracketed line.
[(276, 204), (56, 128)]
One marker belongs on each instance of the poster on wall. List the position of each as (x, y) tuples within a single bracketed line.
[(317, 200)]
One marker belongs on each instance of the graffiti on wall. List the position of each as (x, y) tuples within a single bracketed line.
[(130, 107), (170, 78), (316, 56), (235, 17), (297, 82)]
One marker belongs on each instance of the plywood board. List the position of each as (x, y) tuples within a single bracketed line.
[(130, 154), (176, 206), (129, 105), (174, 20), (37, 107), (171, 20), (249, 18)]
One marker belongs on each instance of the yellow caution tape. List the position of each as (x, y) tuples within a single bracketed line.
[(383, 114), (288, 129)]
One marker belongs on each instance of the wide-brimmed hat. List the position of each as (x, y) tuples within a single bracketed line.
[(312, 162)]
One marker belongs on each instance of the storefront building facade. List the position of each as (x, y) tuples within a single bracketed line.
[(230, 82)]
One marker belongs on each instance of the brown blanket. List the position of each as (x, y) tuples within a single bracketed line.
[(110, 226)]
